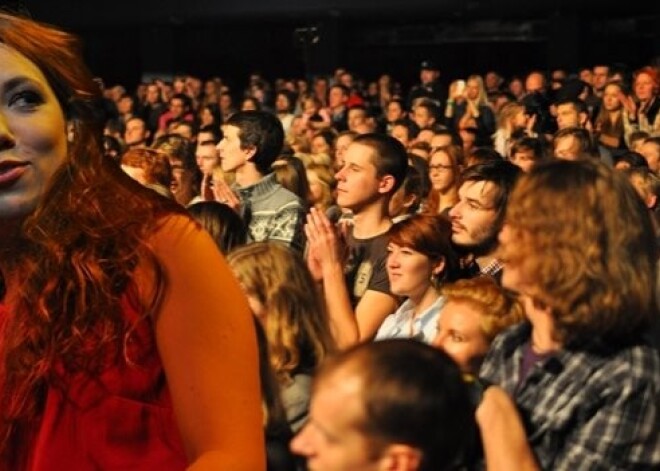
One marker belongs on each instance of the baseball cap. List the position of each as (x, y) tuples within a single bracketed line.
[(428, 65)]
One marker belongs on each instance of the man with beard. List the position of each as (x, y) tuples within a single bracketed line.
[(477, 217)]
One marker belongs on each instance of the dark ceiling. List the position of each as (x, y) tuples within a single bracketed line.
[(85, 13), (127, 39)]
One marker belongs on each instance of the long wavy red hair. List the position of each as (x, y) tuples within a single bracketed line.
[(78, 250)]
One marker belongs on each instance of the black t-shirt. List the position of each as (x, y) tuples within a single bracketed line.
[(365, 266)]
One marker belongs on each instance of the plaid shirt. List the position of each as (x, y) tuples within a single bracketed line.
[(494, 269), (581, 410)]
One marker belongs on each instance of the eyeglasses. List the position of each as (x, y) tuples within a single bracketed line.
[(440, 167)]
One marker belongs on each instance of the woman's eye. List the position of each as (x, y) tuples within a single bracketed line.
[(26, 99)]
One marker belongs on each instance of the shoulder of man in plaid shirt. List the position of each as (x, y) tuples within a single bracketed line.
[(583, 410)]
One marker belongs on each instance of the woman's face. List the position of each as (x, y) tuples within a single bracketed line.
[(282, 103), (472, 89), (409, 271), (315, 187), (206, 117), (320, 146), (33, 139), (520, 119), (611, 100), (460, 335), (209, 88), (441, 172), (394, 112), (310, 107)]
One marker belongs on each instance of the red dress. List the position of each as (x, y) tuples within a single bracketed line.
[(122, 420)]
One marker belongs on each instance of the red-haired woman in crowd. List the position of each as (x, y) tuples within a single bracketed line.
[(420, 258), (115, 341)]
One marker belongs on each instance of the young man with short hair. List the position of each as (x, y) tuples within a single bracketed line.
[(356, 287), (252, 141)]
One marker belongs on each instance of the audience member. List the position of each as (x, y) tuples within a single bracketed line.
[(252, 141), (420, 259), (478, 216), (371, 410), (106, 287), (356, 288), (282, 295), (577, 385)]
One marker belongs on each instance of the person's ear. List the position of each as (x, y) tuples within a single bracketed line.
[(439, 266), (70, 131), (651, 201), (250, 152), (386, 184), (400, 457), (409, 200)]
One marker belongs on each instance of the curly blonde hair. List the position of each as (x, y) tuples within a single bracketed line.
[(498, 309)]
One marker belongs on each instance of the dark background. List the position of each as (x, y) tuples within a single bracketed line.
[(126, 39)]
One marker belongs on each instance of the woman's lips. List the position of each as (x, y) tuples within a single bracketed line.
[(10, 172)]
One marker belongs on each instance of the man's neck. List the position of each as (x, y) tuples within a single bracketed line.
[(485, 259), (248, 175), (543, 325), (371, 221)]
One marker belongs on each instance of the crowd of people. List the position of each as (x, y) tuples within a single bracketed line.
[(328, 274)]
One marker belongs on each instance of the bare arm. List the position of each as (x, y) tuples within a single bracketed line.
[(502, 433), (205, 337), (349, 326)]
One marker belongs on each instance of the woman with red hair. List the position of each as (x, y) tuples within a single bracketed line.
[(117, 349), (643, 109)]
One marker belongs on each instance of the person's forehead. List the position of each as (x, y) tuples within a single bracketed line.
[(336, 404), (643, 78), (16, 64), (344, 140), (206, 149), (483, 191), (460, 314), (523, 153), (358, 153), (565, 108), (565, 141), (440, 140), (230, 130)]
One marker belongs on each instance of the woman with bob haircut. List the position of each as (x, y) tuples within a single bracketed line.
[(111, 356), (283, 296), (578, 246), (419, 259)]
